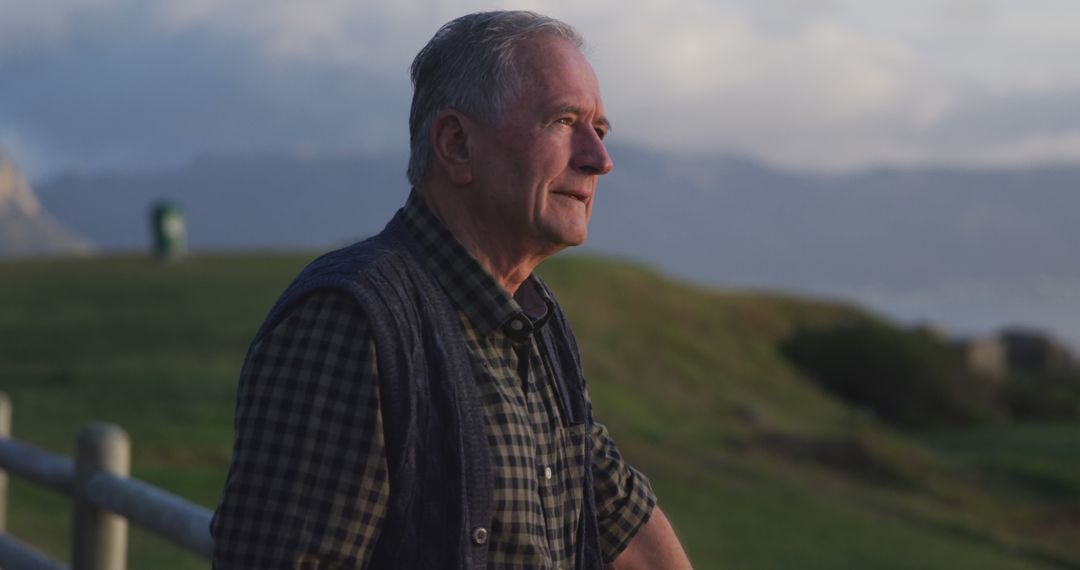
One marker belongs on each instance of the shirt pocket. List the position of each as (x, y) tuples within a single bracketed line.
[(572, 464)]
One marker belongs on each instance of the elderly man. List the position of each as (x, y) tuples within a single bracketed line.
[(416, 400)]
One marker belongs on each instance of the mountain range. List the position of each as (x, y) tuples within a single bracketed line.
[(970, 249)]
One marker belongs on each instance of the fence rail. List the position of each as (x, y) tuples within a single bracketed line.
[(105, 500)]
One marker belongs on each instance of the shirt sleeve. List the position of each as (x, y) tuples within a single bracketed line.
[(307, 487), (624, 497)]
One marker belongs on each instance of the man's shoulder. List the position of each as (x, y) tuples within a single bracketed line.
[(386, 261), (357, 260), (381, 273)]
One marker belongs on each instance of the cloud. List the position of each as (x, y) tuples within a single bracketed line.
[(849, 84), (336, 32), (807, 83), (32, 30), (161, 101), (716, 79)]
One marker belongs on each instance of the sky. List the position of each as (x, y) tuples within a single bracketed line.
[(99, 85)]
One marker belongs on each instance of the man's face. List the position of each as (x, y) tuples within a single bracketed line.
[(538, 165)]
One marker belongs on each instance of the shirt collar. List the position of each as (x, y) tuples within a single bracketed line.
[(471, 288)]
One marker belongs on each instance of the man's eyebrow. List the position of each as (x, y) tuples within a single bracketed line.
[(603, 121), (600, 121)]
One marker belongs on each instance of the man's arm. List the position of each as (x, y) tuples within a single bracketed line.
[(634, 532), (654, 546), (307, 485)]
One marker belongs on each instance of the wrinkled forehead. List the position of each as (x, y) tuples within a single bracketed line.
[(551, 64)]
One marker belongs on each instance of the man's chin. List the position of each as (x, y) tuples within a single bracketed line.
[(560, 238), (577, 242), (575, 239), (556, 246)]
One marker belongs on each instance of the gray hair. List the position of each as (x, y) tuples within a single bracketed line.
[(469, 65)]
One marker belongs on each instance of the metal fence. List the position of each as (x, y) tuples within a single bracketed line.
[(104, 500)]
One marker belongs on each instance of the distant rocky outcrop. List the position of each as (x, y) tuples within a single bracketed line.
[(25, 228)]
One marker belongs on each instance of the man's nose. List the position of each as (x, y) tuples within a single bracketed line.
[(590, 154)]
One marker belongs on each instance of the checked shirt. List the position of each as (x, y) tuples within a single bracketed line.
[(311, 424)]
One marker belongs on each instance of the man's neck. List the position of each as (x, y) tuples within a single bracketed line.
[(509, 267)]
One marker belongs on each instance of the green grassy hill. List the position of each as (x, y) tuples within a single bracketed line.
[(755, 464)]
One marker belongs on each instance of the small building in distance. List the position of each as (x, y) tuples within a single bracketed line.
[(1017, 349), (988, 357), (1030, 350)]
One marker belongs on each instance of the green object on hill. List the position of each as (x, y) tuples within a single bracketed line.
[(169, 231)]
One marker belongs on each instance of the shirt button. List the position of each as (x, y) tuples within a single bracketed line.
[(517, 325), (479, 535), (547, 473)]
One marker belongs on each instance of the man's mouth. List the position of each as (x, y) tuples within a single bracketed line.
[(579, 196)]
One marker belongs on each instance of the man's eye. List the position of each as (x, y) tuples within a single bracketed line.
[(601, 133), (565, 121)]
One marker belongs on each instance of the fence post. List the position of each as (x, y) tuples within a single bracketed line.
[(99, 538), (5, 432)]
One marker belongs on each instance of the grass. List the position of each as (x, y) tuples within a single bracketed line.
[(755, 465)]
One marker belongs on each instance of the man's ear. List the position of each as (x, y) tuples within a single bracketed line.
[(450, 137)]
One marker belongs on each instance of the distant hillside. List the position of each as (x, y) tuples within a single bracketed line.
[(238, 203), (973, 249), (25, 228), (756, 464), (718, 218)]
